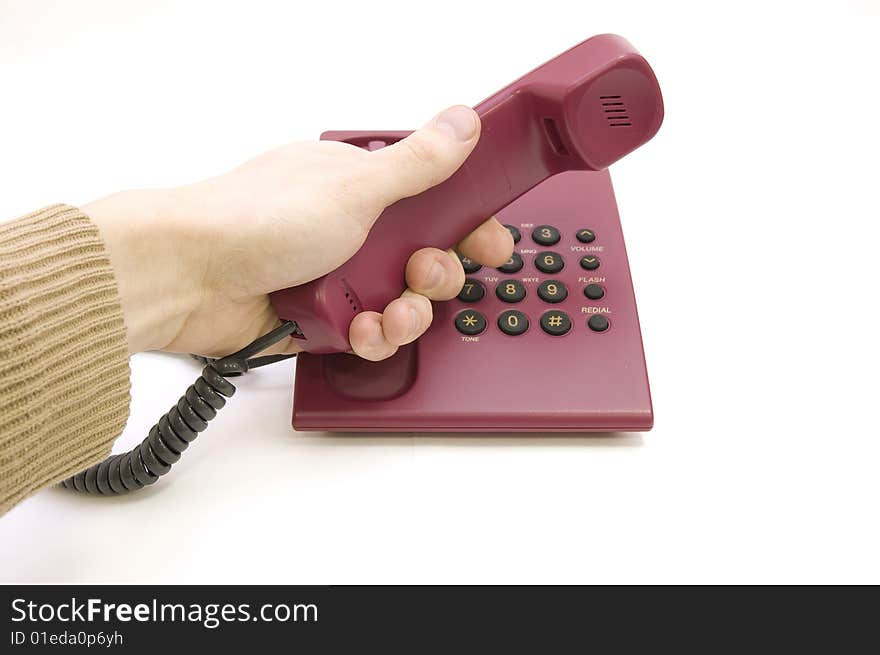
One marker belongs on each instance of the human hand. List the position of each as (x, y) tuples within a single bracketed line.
[(195, 264)]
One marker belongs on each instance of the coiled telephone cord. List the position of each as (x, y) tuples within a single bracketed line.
[(172, 434)]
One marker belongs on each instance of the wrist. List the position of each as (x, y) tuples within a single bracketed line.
[(158, 267)]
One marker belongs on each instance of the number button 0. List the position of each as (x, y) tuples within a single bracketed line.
[(549, 262), (513, 322), (514, 264), (510, 290), (546, 235), (472, 291), (552, 291)]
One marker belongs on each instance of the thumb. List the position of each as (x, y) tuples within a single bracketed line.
[(427, 156)]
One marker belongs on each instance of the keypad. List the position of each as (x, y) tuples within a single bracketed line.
[(513, 322), (510, 290), (513, 265), (564, 294)]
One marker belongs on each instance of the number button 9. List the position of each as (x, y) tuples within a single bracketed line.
[(552, 291)]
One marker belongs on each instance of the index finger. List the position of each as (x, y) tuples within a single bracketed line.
[(491, 244)]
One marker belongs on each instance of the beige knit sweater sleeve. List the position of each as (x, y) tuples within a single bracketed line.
[(64, 384)]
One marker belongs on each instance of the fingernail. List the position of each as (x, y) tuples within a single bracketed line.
[(458, 122), (416, 322), (435, 276)]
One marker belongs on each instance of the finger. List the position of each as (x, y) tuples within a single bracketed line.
[(427, 156), (491, 244), (406, 318), (435, 273), (367, 339), (376, 336)]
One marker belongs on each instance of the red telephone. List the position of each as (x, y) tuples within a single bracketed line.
[(548, 342)]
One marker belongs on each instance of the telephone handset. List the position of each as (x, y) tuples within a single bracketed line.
[(548, 342), (583, 110)]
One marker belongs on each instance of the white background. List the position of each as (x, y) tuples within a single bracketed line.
[(752, 227)]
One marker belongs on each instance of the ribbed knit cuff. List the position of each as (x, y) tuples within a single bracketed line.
[(64, 384)]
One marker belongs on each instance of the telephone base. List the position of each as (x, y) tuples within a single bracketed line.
[(499, 363)]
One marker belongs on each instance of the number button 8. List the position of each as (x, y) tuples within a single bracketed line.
[(510, 290)]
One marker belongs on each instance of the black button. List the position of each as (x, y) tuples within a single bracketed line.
[(472, 291), (469, 265), (546, 235), (586, 236), (598, 323), (510, 290), (593, 292), (514, 264), (590, 262), (549, 262), (513, 322), (552, 291), (555, 322), (470, 322), (514, 232)]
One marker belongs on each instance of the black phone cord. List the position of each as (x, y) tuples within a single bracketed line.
[(172, 434)]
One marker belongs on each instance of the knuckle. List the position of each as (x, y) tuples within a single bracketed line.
[(422, 150), (427, 313), (457, 281)]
